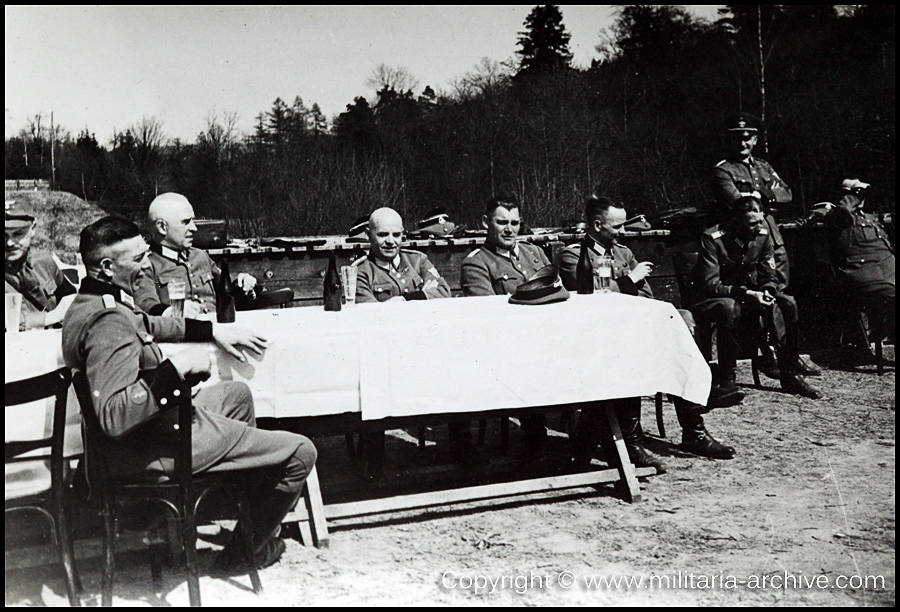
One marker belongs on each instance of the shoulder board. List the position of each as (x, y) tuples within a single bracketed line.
[(109, 301), (411, 252), (724, 161), (475, 252), (717, 234), (763, 231), (360, 260)]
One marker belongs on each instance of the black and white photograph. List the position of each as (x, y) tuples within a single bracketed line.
[(456, 305)]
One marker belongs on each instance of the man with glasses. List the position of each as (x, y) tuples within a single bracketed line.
[(46, 292)]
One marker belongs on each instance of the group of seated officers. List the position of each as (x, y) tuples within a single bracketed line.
[(110, 327)]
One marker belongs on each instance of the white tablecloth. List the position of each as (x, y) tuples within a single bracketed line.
[(398, 359)]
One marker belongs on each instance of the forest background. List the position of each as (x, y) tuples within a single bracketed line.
[(644, 123)]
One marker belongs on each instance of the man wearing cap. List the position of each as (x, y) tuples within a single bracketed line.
[(172, 257), (863, 257), (605, 219), (735, 284), (390, 272), (498, 268), (46, 292), (134, 387), (741, 174)]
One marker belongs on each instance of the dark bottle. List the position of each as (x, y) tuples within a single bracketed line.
[(584, 273), (333, 290), (225, 294)]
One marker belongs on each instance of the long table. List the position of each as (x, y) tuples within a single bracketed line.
[(408, 359)]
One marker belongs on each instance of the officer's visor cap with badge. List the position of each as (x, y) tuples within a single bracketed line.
[(544, 287), (436, 224), (854, 186), (17, 215), (745, 122), (359, 230)]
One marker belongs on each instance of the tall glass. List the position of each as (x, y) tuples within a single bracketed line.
[(12, 312), (605, 272), (177, 295), (348, 282)]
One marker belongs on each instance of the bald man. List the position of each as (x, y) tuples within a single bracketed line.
[(388, 271), (172, 257)]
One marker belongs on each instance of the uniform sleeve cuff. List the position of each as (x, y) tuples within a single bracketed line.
[(417, 295), (164, 383), (157, 309), (198, 331), (627, 286)]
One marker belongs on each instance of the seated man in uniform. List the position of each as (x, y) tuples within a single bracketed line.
[(389, 272), (863, 259), (106, 336), (739, 175), (46, 292), (172, 257), (498, 268), (605, 218), (736, 282)]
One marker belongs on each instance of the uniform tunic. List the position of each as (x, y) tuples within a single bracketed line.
[(489, 270), (134, 387), (197, 271), (41, 283), (376, 282), (733, 179), (623, 263), (860, 250)]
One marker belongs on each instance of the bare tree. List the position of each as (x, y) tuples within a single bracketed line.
[(398, 78)]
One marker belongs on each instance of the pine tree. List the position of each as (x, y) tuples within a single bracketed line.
[(545, 43)]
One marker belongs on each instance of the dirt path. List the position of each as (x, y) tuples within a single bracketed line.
[(810, 494)]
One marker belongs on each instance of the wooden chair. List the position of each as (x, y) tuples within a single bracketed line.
[(181, 495), (51, 500)]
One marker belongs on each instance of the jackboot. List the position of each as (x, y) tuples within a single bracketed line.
[(628, 413), (694, 437), (592, 429), (720, 397), (727, 379), (791, 379), (807, 368), (265, 522)]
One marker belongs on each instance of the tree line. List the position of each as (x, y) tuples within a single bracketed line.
[(645, 123)]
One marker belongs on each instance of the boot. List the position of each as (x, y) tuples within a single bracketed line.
[(727, 379), (791, 379), (591, 429), (768, 363), (694, 437), (722, 398), (796, 384), (266, 514), (699, 442), (628, 412), (807, 368)]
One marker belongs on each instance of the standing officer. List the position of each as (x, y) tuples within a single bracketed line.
[(389, 272), (741, 174), (498, 268), (46, 292), (172, 257), (605, 219), (736, 281), (134, 388), (863, 257)]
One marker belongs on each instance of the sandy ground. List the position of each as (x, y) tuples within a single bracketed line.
[(809, 499)]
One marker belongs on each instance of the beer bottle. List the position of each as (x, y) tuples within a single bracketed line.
[(225, 295), (332, 294), (584, 273)]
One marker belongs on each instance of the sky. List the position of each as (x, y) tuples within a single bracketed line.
[(104, 68)]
